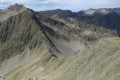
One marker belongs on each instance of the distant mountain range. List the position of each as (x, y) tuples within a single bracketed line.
[(104, 17), (101, 11), (89, 12)]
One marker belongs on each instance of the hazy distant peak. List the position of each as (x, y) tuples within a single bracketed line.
[(101, 11)]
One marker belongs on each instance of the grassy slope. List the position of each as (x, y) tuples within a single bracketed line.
[(100, 62)]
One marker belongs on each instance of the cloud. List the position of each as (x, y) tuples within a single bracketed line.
[(74, 5)]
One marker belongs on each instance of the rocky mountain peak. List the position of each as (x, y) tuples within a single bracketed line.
[(16, 7), (11, 11)]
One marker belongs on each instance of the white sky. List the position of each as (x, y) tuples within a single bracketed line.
[(74, 5)]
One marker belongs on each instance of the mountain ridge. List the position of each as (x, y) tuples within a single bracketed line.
[(88, 12), (109, 20)]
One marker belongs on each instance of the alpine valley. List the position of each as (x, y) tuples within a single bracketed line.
[(59, 44)]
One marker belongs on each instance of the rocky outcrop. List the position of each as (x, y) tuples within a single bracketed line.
[(35, 78), (2, 78), (11, 11)]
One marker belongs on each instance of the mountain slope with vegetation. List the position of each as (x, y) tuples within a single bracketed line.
[(33, 45), (100, 62)]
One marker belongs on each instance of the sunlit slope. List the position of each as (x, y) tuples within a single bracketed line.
[(100, 62), (11, 11)]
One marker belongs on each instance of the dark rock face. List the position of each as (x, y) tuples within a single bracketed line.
[(59, 12), (2, 78)]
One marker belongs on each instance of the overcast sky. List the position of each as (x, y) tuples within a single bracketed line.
[(74, 5)]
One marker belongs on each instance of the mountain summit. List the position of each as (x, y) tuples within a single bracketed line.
[(16, 7), (11, 11)]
